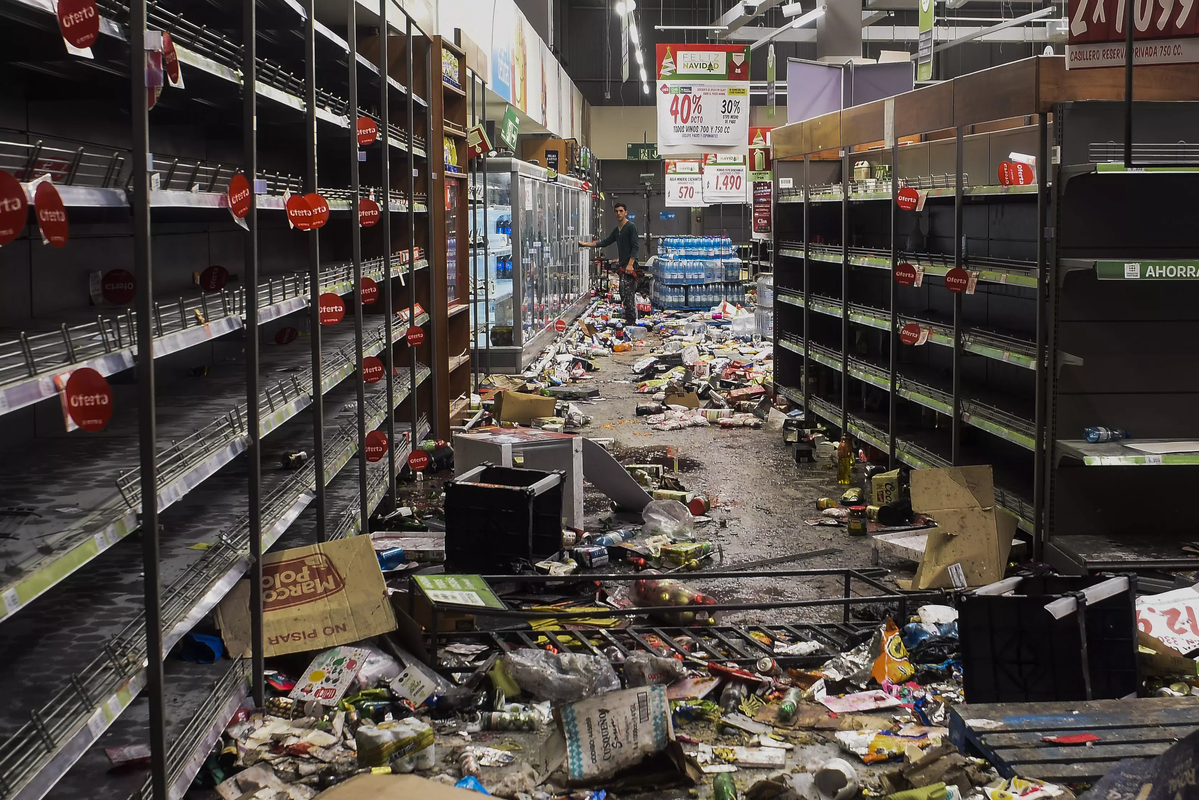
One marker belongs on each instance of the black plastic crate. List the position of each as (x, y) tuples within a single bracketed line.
[(1014, 650), (497, 515)]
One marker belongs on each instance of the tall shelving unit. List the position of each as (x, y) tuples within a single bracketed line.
[(120, 542), (927, 376)]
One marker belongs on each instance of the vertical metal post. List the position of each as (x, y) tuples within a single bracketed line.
[(412, 396), (959, 258), (846, 171), (1043, 276), (356, 253), (317, 409), (146, 423), (1128, 51), (807, 288), (436, 299), (253, 451), (385, 213), (487, 268), (473, 203), (893, 341)]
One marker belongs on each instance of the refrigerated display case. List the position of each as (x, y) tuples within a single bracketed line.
[(535, 272)]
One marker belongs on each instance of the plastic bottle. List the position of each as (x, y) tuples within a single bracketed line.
[(844, 462), (1096, 435), (723, 787), (613, 538), (790, 704), (732, 695)]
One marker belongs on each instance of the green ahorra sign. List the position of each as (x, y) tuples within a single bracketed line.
[(1156, 270)]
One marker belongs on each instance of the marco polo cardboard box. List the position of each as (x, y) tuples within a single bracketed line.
[(314, 598)]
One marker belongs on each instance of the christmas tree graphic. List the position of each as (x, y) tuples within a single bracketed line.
[(667, 65)]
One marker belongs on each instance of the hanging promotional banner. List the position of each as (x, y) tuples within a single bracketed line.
[(684, 184), (924, 45), (376, 446), (1164, 33), (13, 208), (369, 291), (51, 214), (703, 98), (771, 83), (725, 179)]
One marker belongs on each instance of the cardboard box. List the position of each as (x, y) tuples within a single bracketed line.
[(970, 545), (688, 400), (521, 408), (314, 598), (884, 487)]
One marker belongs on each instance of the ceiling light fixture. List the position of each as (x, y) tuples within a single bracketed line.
[(798, 22), (626, 7), (640, 61), (634, 36), (645, 88), (691, 27)]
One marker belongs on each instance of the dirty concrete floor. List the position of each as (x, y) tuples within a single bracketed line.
[(764, 496)]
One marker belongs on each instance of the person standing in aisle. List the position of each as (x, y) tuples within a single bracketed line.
[(624, 235)]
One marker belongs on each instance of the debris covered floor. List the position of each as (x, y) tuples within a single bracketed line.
[(769, 700)]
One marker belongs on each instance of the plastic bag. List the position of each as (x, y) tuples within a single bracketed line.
[(669, 517), (892, 663), (643, 669), (563, 678), (670, 593), (379, 668)]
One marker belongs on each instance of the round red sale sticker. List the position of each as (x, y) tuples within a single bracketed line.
[(956, 280), (286, 335), (79, 22), (910, 333), (299, 213), (415, 336), (1015, 173), (170, 58), (320, 209), (418, 461), (368, 131), (905, 274), (560, 325), (13, 211), (376, 446), (370, 291), (907, 199), (239, 196), (117, 286), (368, 212), (332, 308), (214, 278), (89, 399), (372, 369), (51, 215)]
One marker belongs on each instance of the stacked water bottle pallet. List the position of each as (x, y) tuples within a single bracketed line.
[(696, 272)]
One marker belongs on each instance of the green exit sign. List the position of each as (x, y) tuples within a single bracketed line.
[(641, 151)]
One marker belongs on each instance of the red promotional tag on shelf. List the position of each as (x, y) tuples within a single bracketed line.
[(320, 209), (332, 309), (51, 214), (299, 213), (418, 461), (372, 369), (170, 59), (370, 291), (905, 274), (910, 333), (214, 278), (376, 446), (13, 211), (956, 280), (1015, 173), (79, 22), (560, 325), (368, 131), (286, 335), (415, 336), (239, 196), (907, 199), (368, 212), (89, 399), (118, 287)]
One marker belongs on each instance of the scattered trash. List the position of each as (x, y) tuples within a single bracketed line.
[(836, 779)]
